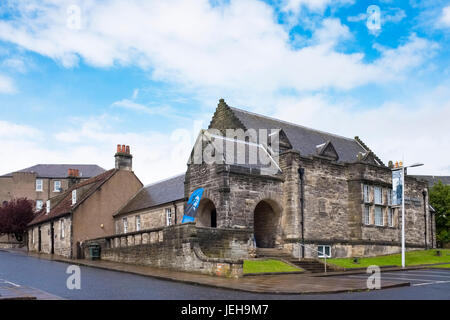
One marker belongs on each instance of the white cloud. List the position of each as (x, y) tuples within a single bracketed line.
[(131, 105), (7, 85), (416, 129), (196, 45), (318, 6), (445, 17), (93, 140)]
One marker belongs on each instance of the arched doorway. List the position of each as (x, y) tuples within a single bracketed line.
[(207, 214), (266, 224)]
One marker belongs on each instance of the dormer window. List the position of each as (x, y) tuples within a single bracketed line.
[(74, 197), (48, 207)]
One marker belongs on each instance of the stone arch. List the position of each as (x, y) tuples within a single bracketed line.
[(206, 214), (267, 223)]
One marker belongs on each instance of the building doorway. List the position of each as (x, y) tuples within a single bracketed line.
[(52, 239), (266, 224), (207, 214)]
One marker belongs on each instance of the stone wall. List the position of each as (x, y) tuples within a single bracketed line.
[(176, 247), (9, 241), (62, 241)]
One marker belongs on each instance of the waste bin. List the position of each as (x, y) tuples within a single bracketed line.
[(94, 251)]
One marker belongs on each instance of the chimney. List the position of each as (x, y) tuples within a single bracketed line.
[(124, 159), (74, 176)]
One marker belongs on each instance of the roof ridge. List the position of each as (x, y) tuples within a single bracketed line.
[(163, 180), (291, 123)]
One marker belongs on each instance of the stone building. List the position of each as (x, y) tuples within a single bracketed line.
[(44, 181), (85, 210), (327, 195)]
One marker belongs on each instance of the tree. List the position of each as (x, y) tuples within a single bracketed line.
[(15, 215), (440, 200)]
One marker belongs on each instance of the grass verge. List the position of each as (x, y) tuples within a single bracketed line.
[(269, 265), (413, 258)]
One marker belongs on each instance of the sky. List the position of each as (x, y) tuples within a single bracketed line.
[(79, 77)]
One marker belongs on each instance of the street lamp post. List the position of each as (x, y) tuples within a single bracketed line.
[(403, 209)]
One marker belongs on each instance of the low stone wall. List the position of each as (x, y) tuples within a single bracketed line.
[(225, 242), (179, 247), (9, 241)]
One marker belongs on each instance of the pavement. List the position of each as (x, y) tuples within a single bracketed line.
[(13, 291), (50, 276), (274, 284)]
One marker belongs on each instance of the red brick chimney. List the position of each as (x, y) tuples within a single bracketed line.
[(74, 176), (124, 159)]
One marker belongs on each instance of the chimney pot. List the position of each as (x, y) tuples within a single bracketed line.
[(123, 148), (128, 149), (119, 148)]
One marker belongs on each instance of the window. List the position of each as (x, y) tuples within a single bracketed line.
[(379, 216), (366, 193), (138, 223), (168, 216), (378, 195), (39, 204), (39, 185), (125, 225), (366, 215), (324, 251), (32, 236), (47, 206), (389, 197), (57, 186), (391, 217), (61, 228), (74, 196)]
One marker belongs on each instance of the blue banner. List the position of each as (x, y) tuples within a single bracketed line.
[(397, 187), (192, 206)]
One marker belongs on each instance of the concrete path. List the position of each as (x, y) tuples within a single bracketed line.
[(13, 291), (281, 284)]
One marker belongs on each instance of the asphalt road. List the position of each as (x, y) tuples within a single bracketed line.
[(51, 277)]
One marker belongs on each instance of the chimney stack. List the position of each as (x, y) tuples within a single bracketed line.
[(124, 159), (74, 176)]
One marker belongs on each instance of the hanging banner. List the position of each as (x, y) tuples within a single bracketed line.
[(397, 187), (192, 206)]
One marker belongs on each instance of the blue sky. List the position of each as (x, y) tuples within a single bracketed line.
[(78, 77)]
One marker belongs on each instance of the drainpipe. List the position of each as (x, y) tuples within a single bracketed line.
[(175, 211), (424, 194), (301, 172)]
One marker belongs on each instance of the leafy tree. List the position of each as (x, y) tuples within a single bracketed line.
[(15, 216), (440, 200)]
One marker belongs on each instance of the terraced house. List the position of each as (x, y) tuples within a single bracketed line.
[(329, 195), (84, 211)]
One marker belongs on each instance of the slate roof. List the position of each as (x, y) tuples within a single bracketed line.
[(302, 139), (155, 194), (54, 171), (432, 180), (64, 206)]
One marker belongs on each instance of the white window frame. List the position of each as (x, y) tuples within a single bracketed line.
[(366, 193), (367, 215), (74, 196), (138, 223), (389, 197), (377, 218), (391, 217), (378, 195), (169, 220), (48, 206), (322, 251), (39, 207), (62, 231), (125, 225), (39, 185), (55, 189)]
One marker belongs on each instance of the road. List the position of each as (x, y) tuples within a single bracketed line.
[(51, 277)]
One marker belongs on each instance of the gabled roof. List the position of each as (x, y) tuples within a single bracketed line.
[(155, 194), (303, 139), (55, 171), (64, 205)]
